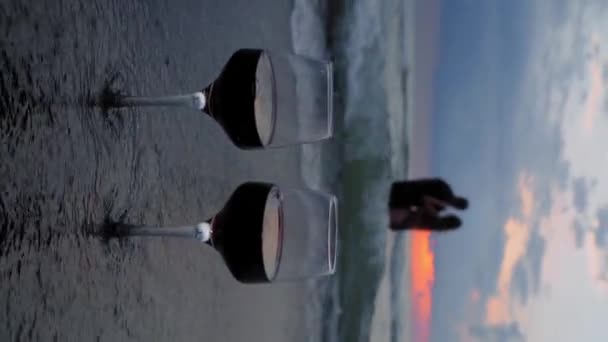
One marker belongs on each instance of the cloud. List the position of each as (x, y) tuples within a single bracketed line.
[(595, 245), (497, 307), (555, 132), (562, 174), (601, 232), (534, 256), (601, 235), (508, 332), (579, 233), (517, 231), (597, 262), (526, 194), (595, 95), (581, 194), (517, 238), (526, 277), (519, 283)]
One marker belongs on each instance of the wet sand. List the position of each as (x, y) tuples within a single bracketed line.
[(383, 322), (67, 167)]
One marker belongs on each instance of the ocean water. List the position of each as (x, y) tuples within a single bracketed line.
[(365, 41)]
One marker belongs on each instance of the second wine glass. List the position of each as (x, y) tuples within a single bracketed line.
[(263, 99), (266, 233)]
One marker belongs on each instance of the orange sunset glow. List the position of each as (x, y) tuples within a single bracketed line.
[(423, 275)]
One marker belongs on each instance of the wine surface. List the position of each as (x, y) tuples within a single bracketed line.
[(248, 232), (242, 98)]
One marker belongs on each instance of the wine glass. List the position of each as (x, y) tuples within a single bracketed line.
[(266, 233), (263, 99)]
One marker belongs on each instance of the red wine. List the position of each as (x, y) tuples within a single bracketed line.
[(242, 98), (248, 232)]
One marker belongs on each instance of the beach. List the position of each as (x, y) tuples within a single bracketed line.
[(67, 167)]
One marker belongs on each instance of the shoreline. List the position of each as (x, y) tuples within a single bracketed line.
[(391, 320), (366, 304)]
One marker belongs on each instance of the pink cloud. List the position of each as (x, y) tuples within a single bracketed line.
[(596, 263), (517, 231), (597, 89), (526, 194)]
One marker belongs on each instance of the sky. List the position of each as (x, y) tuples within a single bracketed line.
[(420, 58), (519, 122), (421, 61)]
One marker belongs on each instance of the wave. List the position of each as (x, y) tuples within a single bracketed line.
[(368, 151)]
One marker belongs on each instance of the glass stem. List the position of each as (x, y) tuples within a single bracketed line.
[(195, 100), (200, 231)]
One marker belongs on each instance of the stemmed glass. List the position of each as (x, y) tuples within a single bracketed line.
[(262, 99), (266, 233)]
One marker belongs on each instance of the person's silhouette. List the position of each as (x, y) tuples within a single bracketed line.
[(410, 219), (416, 204), (423, 192)]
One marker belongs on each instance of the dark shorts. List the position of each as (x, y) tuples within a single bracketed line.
[(424, 221), (411, 193)]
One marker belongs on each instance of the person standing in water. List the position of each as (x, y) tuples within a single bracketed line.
[(416, 204)]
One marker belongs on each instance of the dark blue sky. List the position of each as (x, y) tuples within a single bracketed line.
[(504, 104)]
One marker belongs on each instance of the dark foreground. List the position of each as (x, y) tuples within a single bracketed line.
[(67, 167)]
